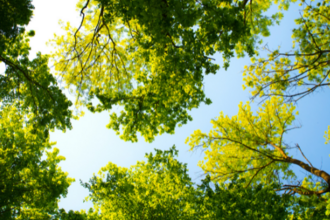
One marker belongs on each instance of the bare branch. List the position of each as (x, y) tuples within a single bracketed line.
[(304, 155)]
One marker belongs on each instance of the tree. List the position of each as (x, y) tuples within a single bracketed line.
[(31, 105), (236, 201), (76, 215), (151, 56), (33, 85), (30, 82), (297, 73), (161, 189), (156, 189), (14, 14), (252, 145), (30, 186)]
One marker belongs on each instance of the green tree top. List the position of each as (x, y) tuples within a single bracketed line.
[(30, 187), (252, 146), (30, 84), (160, 188), (14, 14), (151, 56), (306, 67)]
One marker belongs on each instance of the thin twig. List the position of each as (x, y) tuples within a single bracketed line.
[(304, 155)]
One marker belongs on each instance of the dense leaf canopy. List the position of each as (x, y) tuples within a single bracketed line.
[(30, 186), (33, 85), (249, 144), (14, 14), (252, 145), (151, 56), (161, 189), (31, 104)]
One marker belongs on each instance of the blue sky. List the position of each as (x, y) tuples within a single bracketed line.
[(90, 145)]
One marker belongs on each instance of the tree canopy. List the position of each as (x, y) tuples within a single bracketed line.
[(306, 66), (33, 85), (31, 104), (30, 185), (252, 145), (151, 57), (160, 188), (14, 15)]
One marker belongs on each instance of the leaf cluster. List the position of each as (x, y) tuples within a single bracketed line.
[(160, 188), (14, 14), (301, 71), (151, 57), (30, 186), (32, 104), (31, 82)]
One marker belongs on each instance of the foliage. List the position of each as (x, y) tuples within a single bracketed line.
[(158, 188), (31, 182), (327, 136), (13, 15), (151, 56), (310, 207), (161, 189), (235, 201), (253, 146), (33, 85), (306, 67), (248, 144), (76, 215), (30, 186)]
